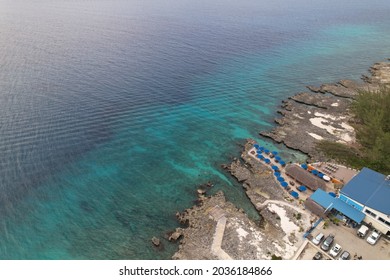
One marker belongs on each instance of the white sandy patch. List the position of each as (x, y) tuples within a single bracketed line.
[(334, 104), (277, 247), (318, 122), (241, 233), (285, 223), (347, 126), (309, 112), (315, 136), (345, 137), (327, 116), (298, 116), (345, 134)]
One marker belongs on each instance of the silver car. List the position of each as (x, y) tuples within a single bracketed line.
[(345, 256), (317, 240)]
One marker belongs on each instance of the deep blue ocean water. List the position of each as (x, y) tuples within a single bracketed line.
[(113, 112)]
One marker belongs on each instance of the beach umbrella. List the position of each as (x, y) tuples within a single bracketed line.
[(259, 151), (320, 175), (302, 188), (294, 194), (274, 167), (315, 172), (256, 146), (326, 178), (282, 163), (278, 158), (266, 151), (304, 166), (274, 153), (277, 174), (280, 179), (267, 160), (284, 184), (259, 156)]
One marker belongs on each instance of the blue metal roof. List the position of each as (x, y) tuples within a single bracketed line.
[(371, 189), (328, 202), (322, 198)]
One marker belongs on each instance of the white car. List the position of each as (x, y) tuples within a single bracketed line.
[(317, 240), (362, 231), (335, 250), (373, 238)]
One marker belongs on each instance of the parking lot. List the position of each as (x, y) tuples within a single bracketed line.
[(347, 238)]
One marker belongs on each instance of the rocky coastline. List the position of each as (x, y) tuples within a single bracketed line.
[(323, 113), (216, 229)]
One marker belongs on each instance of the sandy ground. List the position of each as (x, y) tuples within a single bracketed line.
[(324, 121)]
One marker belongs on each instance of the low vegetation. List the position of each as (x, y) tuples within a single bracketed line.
[(372, 125), (275, 257)]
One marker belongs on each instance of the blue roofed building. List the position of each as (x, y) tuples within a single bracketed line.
[(329, 203), (369, 192)]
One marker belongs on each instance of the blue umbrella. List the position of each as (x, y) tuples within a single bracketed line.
[(266, 151), (274, 167), (267, 160), (315, 172), (304, 166), (256, 146), (274, 153), (259, 151), (294, 194), (301, 188), (284, 184), (259, 156), (280, 179), (278, 158), (320, 175), (282, 163), (277, 174)]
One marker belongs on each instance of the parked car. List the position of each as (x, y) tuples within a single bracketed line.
[(373, 238), (327, 242), (345, 256), (317, 240), (317, 256), (336, 249), (362, 231)]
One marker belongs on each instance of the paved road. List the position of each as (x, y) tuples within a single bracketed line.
[(217, 240)]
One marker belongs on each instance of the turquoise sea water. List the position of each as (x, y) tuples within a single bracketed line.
[(113, 112)]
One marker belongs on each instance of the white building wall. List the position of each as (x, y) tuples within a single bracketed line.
[(372, 216)]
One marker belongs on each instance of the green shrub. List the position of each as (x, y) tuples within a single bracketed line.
[(372, 125)]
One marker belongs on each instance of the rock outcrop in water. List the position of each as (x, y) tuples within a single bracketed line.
[(216, 229), (323, 113)]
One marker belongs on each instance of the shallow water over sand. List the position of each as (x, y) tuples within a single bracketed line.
[(112, 112)]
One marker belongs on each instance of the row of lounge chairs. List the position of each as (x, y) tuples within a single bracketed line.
[(330, 168)]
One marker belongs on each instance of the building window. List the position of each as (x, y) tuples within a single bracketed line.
[(384, 221), (370, 213)]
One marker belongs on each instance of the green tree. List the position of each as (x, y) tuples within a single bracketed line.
[(372, 124)]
